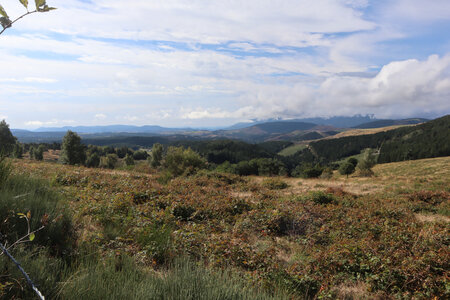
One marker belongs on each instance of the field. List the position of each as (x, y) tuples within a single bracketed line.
[(377, 237), (291, 150)]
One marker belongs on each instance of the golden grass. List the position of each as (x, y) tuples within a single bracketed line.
[(355, 132)]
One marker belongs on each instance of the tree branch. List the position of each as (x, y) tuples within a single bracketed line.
[(11, 23)]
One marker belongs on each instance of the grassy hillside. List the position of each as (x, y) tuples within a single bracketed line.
[(382, 237), (384, 123), (431, 139)]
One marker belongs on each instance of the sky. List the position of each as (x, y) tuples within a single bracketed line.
[(204, 63)]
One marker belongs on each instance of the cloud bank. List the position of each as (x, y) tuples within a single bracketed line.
[(204, 63)]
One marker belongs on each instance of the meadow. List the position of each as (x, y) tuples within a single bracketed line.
[(379, 237)]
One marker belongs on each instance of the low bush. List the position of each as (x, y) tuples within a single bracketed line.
[(320, 197), (274, 184)]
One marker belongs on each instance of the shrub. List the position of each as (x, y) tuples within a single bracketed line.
[(109, 161), (320, 197), (140, 155), (226, 167), (238, 207), (353, 161), (18, 151), (156, 155), (366, 164), (307, 170), (164, 177), (245, 168), (129, 160), (327, 173), (93, 161), (179, 161), (183, 212), (274, 184), (156, 241)]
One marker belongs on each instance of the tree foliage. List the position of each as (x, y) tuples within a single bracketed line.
[(179, 161), (7, 140), (347, 168), (72, 150), (157, 154)]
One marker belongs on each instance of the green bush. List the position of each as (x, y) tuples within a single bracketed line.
[(274, 184), (92, 161), (109, 161), (307, 170), (180, 161), (129, 160), (156, 241), (183, 212), (320, 197)]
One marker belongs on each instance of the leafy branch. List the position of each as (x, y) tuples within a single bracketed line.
[(6, 22), (29, 237)]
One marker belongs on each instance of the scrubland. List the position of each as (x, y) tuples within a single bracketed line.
[(123, 234)]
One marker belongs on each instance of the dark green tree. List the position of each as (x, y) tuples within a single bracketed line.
[(72, 151), (157, 154), (367, 163), (346, 168), (353, 161), (18, 151), (39, 153), (7, 140), (31, 152), (93, 160)]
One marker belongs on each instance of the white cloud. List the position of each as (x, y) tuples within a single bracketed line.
[(29, 80), (290, 22), (52, 122), (100, 116)]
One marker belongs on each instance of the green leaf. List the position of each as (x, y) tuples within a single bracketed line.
[(46, 8), (32, 236), (3, 12), (39, 4), (5, 22), (25, 3)]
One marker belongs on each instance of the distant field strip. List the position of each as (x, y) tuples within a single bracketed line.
[(291, 150)]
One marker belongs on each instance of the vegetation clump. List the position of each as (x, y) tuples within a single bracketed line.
[(274, 184)]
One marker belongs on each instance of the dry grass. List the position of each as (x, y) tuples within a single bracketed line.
[(427, 218), (355, 132)]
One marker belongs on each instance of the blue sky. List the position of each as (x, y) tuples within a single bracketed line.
[(214, 63)]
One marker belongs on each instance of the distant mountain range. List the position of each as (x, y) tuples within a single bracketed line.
[(257, 131), (113, 128)]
